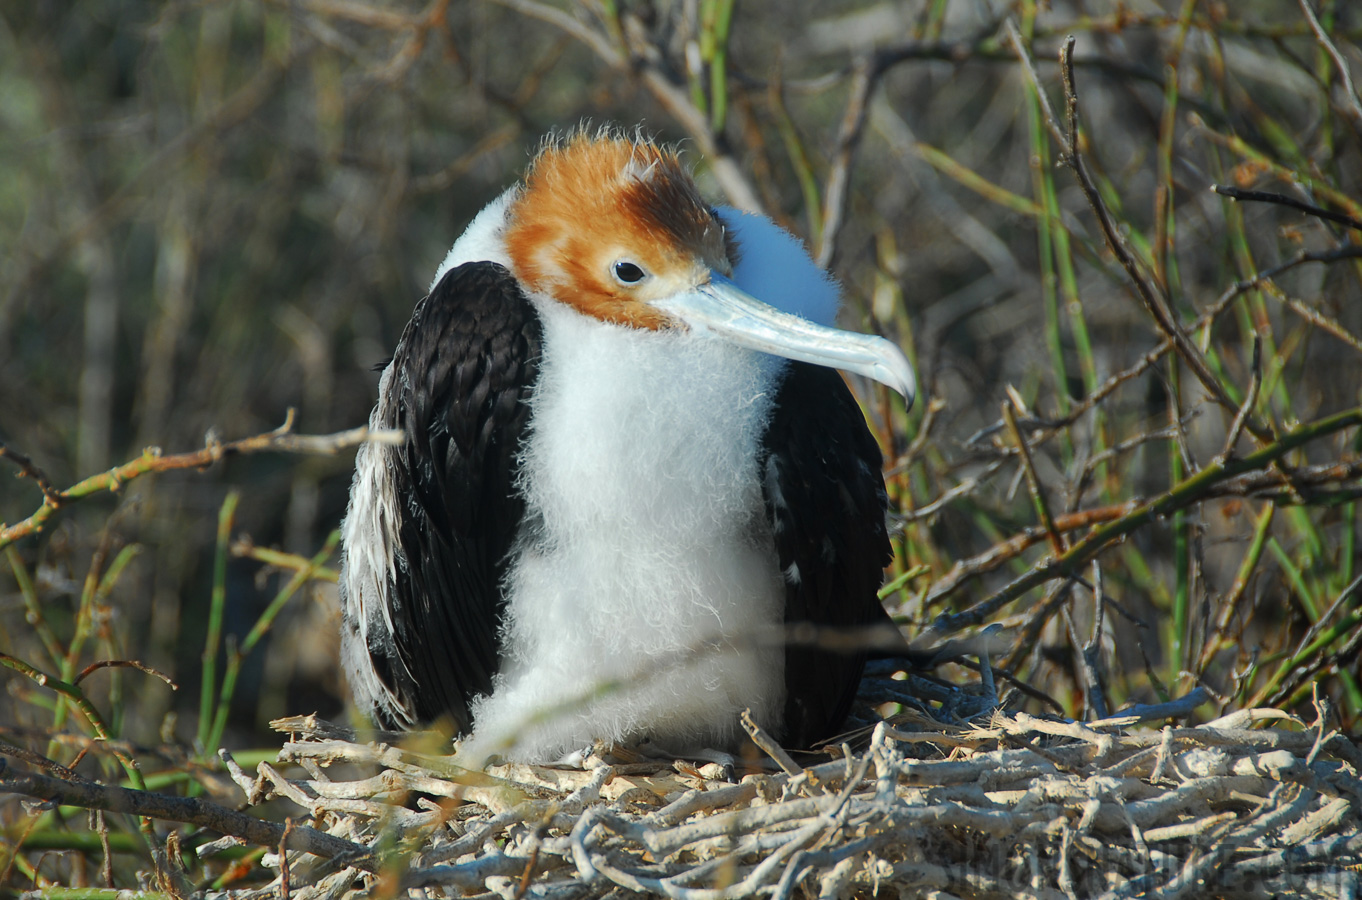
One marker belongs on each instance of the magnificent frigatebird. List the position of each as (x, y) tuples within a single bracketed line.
[(630, 468)]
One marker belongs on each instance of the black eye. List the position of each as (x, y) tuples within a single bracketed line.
[(629, 273)]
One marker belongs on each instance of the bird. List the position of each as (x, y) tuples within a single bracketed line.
[(631, 470)]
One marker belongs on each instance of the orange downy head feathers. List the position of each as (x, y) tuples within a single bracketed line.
[(607, 223)]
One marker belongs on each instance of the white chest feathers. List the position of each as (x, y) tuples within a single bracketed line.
[(644, 592)]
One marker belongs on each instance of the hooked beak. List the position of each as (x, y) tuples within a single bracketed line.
[(722, 308)]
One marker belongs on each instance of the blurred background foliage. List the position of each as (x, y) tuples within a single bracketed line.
[(212, 212)]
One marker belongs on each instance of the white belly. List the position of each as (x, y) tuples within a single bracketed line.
[(645, 591)]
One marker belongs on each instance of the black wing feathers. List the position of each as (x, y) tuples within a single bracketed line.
[(463, 371), (462, 375), (826, 501)]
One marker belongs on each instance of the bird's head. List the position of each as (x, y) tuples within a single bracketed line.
[(617, 229)]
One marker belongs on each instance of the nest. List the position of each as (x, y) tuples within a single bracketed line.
[(1018, 807)]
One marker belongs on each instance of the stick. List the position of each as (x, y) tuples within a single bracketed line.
[(192, 810)]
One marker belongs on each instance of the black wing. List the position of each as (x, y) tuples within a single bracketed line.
[(826, 500), (463, 373)]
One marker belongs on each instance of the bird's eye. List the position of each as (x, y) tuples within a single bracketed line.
[(629, 273)]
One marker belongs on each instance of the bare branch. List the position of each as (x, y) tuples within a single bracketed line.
[(123, 664), (1181, 495), (1151, 294), (192, 810), (1318, 212), (837, 193), (280, 440), (1350, 95), (1250, 399)]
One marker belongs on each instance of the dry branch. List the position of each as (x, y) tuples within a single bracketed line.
[(1075, 808), (88, 795), (1151, 293), (280, 440), (1193, 489), (1016, 806)]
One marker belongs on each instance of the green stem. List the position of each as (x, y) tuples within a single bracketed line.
[(237, 656), (215, 613), (1180, 496), (33, 609)]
